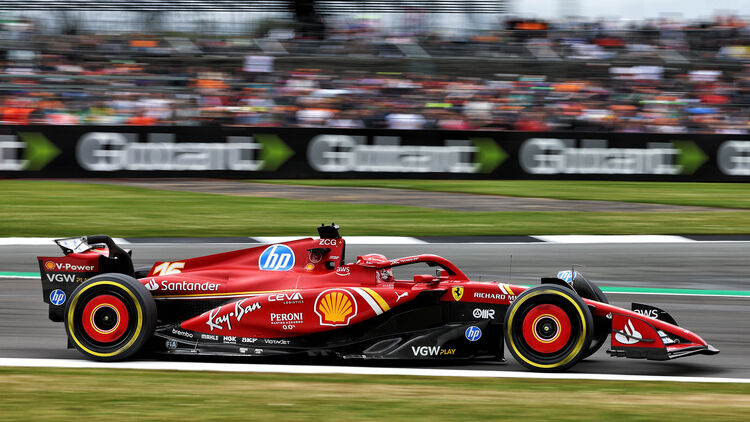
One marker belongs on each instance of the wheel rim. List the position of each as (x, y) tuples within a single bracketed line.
[(105, 318), (546, 328)]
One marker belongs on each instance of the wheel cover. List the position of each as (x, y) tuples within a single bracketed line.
[(105, 318), (546, 328)]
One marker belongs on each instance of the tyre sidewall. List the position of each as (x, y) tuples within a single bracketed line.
[(141, 313), (575, 308)]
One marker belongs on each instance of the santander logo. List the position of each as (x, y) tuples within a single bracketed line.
[(631, 336), (152, 285)]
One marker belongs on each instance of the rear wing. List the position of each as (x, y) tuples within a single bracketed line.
[(84, 257)]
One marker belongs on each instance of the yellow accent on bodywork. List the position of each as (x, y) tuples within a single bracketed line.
[(383, 304)]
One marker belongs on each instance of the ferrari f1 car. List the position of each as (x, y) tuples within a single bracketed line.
[(303, 298)]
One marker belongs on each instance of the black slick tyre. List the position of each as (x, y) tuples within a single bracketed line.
[(548, 328), (110, 317)]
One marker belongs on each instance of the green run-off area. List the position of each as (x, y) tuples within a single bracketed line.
[(53, 208), (123, 395)]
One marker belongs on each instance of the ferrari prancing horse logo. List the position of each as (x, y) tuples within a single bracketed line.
[(458, 293)]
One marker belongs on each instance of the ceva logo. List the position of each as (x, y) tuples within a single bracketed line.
[(276, 258)]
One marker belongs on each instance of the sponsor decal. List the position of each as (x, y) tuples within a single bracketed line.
[(64, 278), (170, 344), (166, 268), (431, 351), (287, 320), (335, 307), (275, 341), (566, 276), (276, 258), (68, 267), (209, 337), (483, 313), (473, 333), (343, 271), (399, 296), (218, 321), (57, 297), (181, 333), (258, 351), (309, 267), (631, 332), (493, 296), (651, 313), (327, 242), (229, 339), (286, 298), (458, 293), (248, 340), (167, 285)]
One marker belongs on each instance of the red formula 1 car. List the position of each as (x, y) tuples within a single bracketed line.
[(301, 297)]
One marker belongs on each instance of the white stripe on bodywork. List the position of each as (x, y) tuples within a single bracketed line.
[(370, 301)]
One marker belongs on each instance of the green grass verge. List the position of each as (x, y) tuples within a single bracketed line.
[(724, 195), (102, 394), (44, 208)]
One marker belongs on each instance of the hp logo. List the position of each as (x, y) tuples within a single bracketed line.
[(276, 258), (57, 297), (473, 333)]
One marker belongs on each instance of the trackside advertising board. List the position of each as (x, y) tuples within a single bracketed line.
[(246, 152)]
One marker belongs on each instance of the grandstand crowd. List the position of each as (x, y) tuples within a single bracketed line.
[(125, 80)]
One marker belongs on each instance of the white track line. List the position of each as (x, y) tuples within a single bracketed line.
[(352, 370), (351, 240), (613, 239)]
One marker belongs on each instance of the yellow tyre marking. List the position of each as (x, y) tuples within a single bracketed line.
[(575, 350), (383, 304), (71, 328)]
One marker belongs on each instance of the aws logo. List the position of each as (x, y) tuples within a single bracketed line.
[(335, 307)]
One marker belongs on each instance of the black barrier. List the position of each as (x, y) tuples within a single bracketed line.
[(242, 152)]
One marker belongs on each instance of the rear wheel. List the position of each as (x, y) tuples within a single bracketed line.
[(548, 328), (110, 317)]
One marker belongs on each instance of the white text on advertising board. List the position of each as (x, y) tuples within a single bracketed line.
[(111, 151), (341, 153), (560, 156)]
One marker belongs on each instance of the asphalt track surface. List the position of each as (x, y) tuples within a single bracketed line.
[(25, 331)]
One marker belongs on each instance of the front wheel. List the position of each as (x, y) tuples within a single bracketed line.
[(110, 317), (548, 328)]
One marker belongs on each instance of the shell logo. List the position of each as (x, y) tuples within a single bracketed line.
[(335, 307), (49, 265)]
